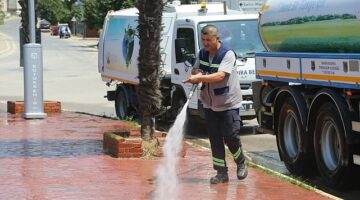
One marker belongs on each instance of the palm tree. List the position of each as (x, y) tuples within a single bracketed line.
[(25, 19), (149, 29)]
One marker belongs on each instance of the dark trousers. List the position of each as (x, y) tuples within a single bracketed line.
[(224, 127)]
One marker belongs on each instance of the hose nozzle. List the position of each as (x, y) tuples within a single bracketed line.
[(192, 91)]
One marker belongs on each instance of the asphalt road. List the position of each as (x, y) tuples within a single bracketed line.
[(71, 76), (70, 72)]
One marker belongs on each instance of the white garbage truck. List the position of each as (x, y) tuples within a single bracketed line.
[(310, 93), (119, 47)]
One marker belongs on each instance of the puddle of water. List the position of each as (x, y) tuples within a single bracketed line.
[(166, 177)]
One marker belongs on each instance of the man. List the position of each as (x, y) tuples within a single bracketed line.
[(221, 95)]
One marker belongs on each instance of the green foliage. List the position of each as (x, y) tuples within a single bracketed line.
[(186, 1), (53, 11), (96, 10), (76, 12), (68, 4), (2, 16), (301, 20)]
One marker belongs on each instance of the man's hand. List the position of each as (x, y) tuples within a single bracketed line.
[(206, 78), (194, 79), (195, 71)]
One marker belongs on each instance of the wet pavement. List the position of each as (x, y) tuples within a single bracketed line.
[(61, 157)]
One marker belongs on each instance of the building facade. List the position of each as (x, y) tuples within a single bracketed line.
[(3, 5)]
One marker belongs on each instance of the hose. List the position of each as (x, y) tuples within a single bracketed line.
[(192, 90)]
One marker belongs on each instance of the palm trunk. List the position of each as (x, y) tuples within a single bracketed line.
[(149, 95)]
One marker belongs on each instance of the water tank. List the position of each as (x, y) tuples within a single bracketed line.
[(324, 26)]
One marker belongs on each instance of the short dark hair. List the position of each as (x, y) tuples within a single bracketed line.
[(210, 30)]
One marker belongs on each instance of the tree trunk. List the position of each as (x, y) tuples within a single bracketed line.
[(149, 95)]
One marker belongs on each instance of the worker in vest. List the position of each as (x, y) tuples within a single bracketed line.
[(221, 97)]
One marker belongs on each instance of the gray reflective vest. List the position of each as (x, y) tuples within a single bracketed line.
[(222, 95)]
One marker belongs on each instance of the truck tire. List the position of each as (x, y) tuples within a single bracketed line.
[(293, 142), (333, 155), (122, 106)]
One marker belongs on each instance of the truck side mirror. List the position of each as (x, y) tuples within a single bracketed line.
[(180, 46), (181, 51)]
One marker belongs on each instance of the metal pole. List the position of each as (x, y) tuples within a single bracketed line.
[(32, 21), (225, 10), (33, 73)]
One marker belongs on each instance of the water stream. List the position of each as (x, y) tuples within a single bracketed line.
[(166, 177)]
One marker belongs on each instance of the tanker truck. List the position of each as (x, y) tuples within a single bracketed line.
[(309, 96), (119, 49)]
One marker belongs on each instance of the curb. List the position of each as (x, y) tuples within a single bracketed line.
[(293, 181), (86, 42)]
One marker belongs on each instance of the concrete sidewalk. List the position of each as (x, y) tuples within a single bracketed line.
[(87, 42), (61, 157)]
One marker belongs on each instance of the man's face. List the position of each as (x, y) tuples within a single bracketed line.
[(209, 42)]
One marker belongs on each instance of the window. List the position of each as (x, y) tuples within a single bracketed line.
[(188, 35)]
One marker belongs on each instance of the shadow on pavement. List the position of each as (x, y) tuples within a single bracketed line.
[(49, 148)]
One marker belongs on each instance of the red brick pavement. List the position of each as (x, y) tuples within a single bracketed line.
[(61, 157)]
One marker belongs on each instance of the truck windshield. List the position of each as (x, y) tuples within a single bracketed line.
[(240, 35)]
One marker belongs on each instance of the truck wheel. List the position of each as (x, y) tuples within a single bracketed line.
[(293, 143), (121, 104), (332, 153)]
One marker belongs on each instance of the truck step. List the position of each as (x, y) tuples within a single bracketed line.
[(264, 131), (268, 104), (268, 114)]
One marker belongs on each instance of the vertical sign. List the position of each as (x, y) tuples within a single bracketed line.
[(33, 82), (33, 73)]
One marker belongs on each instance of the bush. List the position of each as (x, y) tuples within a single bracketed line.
[(2, 17)]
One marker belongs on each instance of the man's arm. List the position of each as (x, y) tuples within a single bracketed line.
[(206, 78), (225, 68)]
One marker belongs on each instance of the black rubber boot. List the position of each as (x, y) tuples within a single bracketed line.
[(219, 178), (242, 171)]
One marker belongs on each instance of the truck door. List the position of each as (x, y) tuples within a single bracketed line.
[(180, 71)]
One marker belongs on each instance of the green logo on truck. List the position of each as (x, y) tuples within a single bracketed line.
[(128, 44)]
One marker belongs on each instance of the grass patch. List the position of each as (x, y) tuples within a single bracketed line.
[(131, 121), (282, 176)]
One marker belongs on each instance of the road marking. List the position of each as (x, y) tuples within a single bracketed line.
[(9, 46)]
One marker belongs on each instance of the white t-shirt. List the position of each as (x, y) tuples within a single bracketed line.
[(226, 65)]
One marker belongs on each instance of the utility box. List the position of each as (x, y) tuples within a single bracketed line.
[(33, 82)]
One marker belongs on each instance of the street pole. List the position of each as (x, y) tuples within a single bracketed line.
[(33, 73)]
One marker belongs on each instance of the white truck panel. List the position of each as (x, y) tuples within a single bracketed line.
[(338, 70), (278, 67), (331, 70)]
